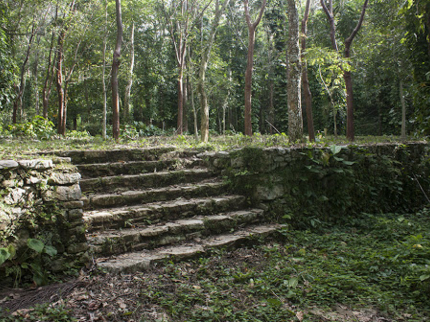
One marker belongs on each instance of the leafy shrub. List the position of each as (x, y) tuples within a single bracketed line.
[(31, 262), (78, 135), (148, 130), (37, 128)]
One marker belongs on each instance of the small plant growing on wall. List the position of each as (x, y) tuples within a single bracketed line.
[(32, 260)]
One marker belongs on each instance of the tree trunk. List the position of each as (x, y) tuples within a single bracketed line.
[(185, 105), (402, 100), (180, 100), (295, 117), (204, 126), (348, 78), (305, 81), (346, 74), (36, 79), (17, 106), (103, 75), (193, 107), (115, 68), (126, 111), (61, 85), (60, 91), (46, 92), (250, 62)]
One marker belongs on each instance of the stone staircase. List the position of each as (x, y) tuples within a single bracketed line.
[(142, 206)]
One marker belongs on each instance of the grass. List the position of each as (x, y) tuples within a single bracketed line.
[(8, 146)]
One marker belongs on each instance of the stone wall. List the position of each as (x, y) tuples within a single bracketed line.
[(40, 199), (329, 184)]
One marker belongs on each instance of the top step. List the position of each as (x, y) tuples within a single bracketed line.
[(117, 155)]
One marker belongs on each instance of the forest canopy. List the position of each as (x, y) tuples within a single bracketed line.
[(182, 66)]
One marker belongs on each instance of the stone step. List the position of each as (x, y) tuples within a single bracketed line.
[(94, 170), (160, 212), (121, 241), (145, 180), (143, 260), (210, 187), (114, 155)]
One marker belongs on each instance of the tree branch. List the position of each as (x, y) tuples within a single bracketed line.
[(349, 40)]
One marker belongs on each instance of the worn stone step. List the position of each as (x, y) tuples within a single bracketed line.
[(114, 155), (145, 180), (121, 241), (143, 260), (158, 212), (95, 170), (210, 187)]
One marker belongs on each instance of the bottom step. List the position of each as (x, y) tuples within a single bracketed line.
[(143, 260)]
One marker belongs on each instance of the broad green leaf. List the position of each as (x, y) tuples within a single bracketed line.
[(35, 244), (424, 277), (293, 282), (335, 149), (348, 162), (11, 249), (4, 255), (51, 250), (274, 302)]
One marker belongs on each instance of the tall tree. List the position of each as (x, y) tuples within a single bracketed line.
[(115, 69), (105, 36), (204, 59), (178, 22), (61, 84), (130, 79), (346, 73), (50, 71), (252, 26), (305, 80), (295, 117)]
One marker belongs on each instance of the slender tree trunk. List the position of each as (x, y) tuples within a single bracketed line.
[(402, 100), (185, 105), (17, 106), (346, 74), (104, 75), (305, 81), (295, 117), (202, 71), (115, 68), (225, 104), (348, 78), (126, 110), (61, 84), (46, 92), (250, 62), (60, 90), (179, 126), (36, 79), (180, 28), (193, 107)]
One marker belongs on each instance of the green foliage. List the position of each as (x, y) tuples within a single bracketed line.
[(38, 128), (375, 263), (34, 261), (45, 312)]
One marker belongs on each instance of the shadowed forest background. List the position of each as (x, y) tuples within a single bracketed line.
[(191, 56)]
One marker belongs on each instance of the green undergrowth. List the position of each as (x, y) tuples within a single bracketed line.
[(377, 261), (376, 267)]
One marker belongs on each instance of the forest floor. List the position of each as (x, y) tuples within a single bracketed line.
[(8, 146), (372, 268)]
